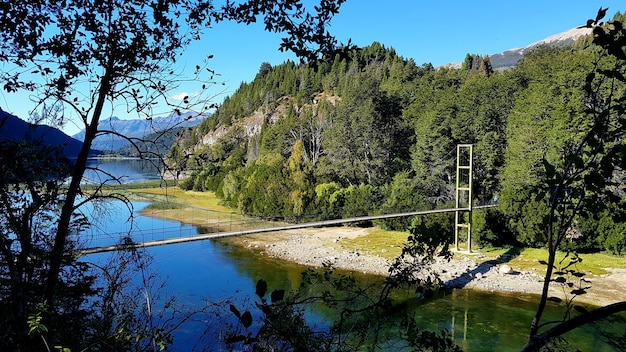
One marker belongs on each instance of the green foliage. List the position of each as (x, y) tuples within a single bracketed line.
[(483, 108), (491, 228), (283, 325), (402, 195), (323, 204), (32, 180), (381, 132), (525, 214), (356, 201), (79, 56), (477, 64), (582, 180), (433, 230), (613, 232)]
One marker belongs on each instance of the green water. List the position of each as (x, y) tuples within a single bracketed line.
[(479, 321), (484, 321)]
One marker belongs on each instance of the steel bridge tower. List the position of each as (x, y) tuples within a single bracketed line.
[(464, 176)]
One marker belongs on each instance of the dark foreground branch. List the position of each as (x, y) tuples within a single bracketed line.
[(538, 341)]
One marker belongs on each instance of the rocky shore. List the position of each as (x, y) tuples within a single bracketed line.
[(313, 247)]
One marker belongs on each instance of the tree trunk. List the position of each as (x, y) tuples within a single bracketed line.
[(67, 211)]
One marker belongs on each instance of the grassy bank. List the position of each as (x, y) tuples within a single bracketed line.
[(389, 244), (195, 208), (528, 258), (203, 200), (151, 184)]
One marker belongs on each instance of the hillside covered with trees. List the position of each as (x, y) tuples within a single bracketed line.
[(370, 132)]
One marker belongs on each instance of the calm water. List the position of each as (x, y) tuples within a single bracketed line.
[(127, 170), (212, 271)]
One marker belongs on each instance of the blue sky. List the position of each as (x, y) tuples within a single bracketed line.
[(438, 32)]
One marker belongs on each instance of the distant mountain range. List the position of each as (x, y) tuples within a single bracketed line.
[(139, 128), (511, 57), (158, 143), (15, 129)]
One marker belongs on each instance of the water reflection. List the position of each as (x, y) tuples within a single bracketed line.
[(127, 170), (487, 321)]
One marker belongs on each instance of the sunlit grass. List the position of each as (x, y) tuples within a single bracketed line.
[(131, 186), (204, 200), (163, 205), (190, 207), (383, 243), (603, 260), (530, 258), (195, 216)]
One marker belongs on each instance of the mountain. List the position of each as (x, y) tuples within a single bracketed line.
[(139, 128), (157, 143), (510, 58), (15, 129)]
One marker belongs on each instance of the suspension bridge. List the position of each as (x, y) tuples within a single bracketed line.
[(249, 231), (463, 215)]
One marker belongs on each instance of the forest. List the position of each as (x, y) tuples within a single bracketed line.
[(346, 132), (368, 131)]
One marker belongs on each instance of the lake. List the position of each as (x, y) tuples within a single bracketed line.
[(212, 271), (127, 170)]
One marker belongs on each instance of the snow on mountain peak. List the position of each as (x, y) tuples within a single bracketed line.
[(563, 38)]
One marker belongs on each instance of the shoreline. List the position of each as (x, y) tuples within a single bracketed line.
[(314, 247)]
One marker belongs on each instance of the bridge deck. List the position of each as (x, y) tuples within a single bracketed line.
[(208, 236)]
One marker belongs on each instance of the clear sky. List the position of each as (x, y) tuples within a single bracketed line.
[(436, 32)]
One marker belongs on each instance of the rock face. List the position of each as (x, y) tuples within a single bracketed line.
[(249, 128)]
